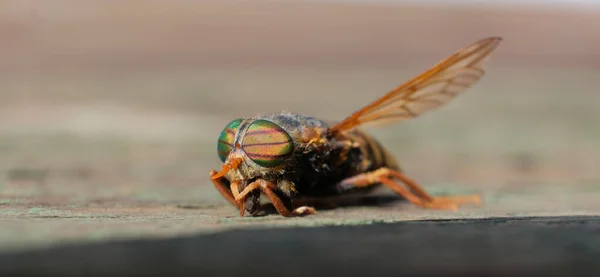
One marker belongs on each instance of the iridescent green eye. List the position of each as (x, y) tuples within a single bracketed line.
[(267, 144), (227, 138)]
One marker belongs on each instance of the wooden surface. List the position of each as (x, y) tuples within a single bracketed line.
[(492, 247), (110, 114)]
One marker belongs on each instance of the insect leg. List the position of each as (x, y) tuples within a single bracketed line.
[(235, 190), (456, 200), (415, 195), (222, 188), (269, 189)]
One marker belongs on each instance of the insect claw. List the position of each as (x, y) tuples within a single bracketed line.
[(303, 211)]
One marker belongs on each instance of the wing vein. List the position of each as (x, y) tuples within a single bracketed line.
[(429, 90)]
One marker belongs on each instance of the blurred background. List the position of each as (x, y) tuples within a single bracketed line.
[(110, 110)]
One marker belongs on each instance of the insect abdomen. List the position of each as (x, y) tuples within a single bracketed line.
[(374, 155)]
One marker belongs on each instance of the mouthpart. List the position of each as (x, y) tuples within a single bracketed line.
[(233, 163)]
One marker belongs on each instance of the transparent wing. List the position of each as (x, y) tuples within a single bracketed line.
[(428, 90)]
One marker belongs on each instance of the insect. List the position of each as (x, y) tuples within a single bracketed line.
[(288, 156)]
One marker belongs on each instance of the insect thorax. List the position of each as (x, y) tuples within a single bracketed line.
[(318, 165)]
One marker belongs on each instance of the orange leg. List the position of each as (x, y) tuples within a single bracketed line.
[(268, 189), (222, 188), (235, 190), (415, 195)]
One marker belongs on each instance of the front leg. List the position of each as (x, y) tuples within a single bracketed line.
[(269, 189), (223, 188)]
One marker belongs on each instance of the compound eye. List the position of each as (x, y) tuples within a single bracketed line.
[(227, 138), (267, 144)]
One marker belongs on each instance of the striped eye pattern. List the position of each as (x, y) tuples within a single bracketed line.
[(227, 138), (267, 144)]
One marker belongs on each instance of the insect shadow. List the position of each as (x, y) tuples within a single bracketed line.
[(376, 200)]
